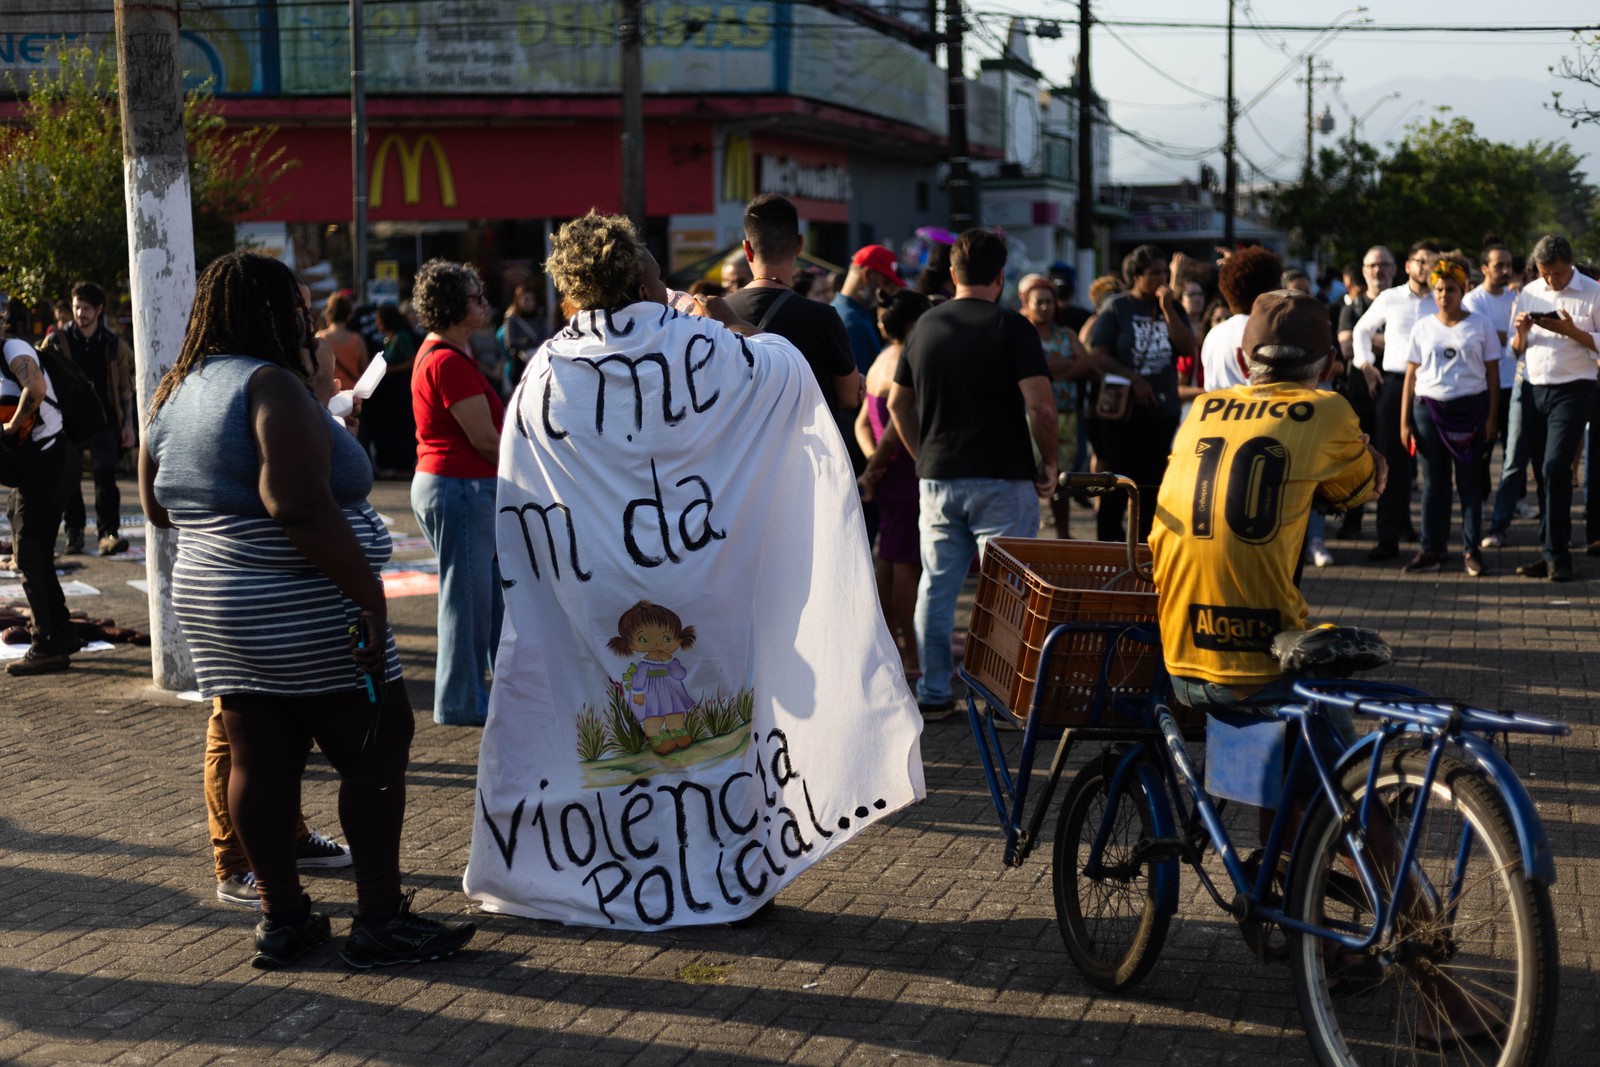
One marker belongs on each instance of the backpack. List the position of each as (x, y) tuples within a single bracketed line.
[(83, 416)]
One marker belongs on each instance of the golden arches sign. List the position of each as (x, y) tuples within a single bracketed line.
[(738, 182), (411, 170)]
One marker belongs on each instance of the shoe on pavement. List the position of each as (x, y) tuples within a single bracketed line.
[(1386, 550), (36, 662), (1473, 562), (75, 542), (1537, 569), (1493, 539), (112, 544), (403, 938), (280, 944), (240, 888), (1424, 562), (319, 852), (1525, 510), (1563, 573), (1320, 556), (936, 710)]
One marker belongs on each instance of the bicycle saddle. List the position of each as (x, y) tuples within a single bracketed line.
[(1330, 651)]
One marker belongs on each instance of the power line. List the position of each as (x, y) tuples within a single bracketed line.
[(1140, 57)]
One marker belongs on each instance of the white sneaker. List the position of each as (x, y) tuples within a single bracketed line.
[(1320, 556), (1493, 540), (1526, 510)]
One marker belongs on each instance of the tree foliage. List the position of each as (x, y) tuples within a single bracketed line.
[(61, 181), (1445, 182), (1584, 68)]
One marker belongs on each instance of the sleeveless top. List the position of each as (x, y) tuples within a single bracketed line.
[(256, 614)]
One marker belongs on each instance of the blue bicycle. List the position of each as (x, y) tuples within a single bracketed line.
[(1407, 886)]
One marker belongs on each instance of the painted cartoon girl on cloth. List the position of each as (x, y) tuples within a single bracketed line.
[(661, 702)]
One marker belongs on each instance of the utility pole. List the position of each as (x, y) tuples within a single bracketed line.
[(632, 114), (1085, 217), (1230, 181), (358, 145), (155, 168), (960, 181), (1313, 79)]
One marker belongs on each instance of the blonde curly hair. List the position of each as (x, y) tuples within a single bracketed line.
[(597, 261)]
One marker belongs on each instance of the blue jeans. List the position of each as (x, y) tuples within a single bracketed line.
[(958, 516), (1553, 424), (457, 518), (1437, 465), (1514, 465)]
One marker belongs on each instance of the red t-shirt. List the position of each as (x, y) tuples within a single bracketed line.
[(443, 377)]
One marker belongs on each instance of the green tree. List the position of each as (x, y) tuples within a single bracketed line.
[(61, 184), (1445, 182)]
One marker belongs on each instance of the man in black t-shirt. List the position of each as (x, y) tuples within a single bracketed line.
[(772, 241), (971, 382)]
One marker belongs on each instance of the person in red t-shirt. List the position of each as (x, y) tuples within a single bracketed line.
[(458, 413)]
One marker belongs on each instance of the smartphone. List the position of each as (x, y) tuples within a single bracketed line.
[(1543, 316)]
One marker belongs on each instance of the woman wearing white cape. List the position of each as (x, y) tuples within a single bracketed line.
[(695, 697)]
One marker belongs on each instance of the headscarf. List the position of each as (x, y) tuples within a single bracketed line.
[(1449, 268)]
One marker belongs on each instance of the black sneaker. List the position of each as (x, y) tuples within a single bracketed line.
[(1423, 562), (240, 888), (1386, 550), (403, 938), (318, 852), (1537, 569), (278, 945), (36, 662), (939, 709)]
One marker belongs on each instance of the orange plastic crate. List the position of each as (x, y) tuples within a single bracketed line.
[(1025, 589)]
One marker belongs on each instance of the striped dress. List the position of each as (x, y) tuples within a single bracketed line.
[(255, 613)]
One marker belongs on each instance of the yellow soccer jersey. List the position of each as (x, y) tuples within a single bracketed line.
[(1231, 517)]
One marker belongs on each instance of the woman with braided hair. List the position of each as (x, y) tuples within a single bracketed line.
[(276, 590), (1452, 393)]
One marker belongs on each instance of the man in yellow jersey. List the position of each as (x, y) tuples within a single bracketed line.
[(1231, 514)]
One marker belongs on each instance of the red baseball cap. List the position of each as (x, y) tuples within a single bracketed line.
[(880, 259)]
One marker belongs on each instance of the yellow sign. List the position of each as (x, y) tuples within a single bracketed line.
[(411, 170), (738, 184), (387, 270)]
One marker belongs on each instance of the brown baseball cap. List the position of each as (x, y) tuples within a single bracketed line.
[(1288, 319)]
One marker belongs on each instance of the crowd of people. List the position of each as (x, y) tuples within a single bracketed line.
[(962, 398)]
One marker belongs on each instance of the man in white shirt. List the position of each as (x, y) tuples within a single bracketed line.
[(1377, 274), (1383, 364), (1496, 299), (1553, 332)]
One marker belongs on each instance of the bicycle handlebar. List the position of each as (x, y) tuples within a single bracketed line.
[(1102, 482)]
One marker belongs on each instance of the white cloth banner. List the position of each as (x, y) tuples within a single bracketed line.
[(695, 696)]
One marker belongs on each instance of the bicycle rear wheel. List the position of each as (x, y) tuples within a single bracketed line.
[(1109, 919), (1470, 974)]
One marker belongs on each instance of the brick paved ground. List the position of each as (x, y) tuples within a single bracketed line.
[(913, 944)]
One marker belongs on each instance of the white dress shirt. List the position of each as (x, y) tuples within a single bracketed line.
[(1498, 309), (1394, 311), (1551, 358), (1219, 354)]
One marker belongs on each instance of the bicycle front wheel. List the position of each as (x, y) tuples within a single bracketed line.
[(1108, 916), (1469, 976)]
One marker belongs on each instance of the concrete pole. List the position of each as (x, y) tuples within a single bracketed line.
[(958, 187), (160, 262), (630, 31)]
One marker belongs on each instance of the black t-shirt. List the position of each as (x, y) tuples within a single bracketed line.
[(1136, 332), (964, 359), (93, 355), (814, 328)]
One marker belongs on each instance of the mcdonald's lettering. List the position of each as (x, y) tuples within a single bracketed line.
[(411, 170)]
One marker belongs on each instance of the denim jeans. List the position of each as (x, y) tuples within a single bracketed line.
[(1553, 423), (958, 516), (457, 518), (1437, 465), (1514, 465), (35, 513)]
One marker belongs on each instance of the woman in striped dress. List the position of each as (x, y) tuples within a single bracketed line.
[(277, 593)]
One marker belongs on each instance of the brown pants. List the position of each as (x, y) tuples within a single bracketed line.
[(227, 855)]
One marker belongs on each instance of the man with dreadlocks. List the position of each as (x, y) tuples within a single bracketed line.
[(276, 589)]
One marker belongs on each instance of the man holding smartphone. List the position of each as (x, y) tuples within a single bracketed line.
[(1553, 330)]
